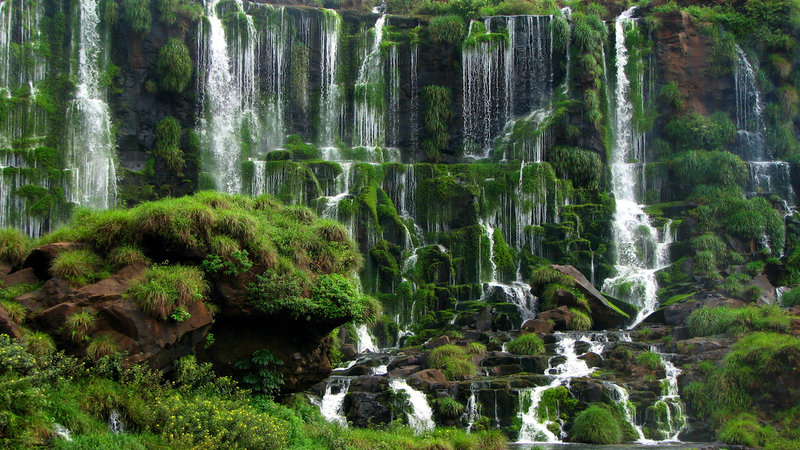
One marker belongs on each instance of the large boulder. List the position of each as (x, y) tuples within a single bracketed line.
[(604, 313)]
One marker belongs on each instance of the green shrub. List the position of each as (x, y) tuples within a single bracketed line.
[(101, 346), (16, 312), (301, 150), (448, 408), (650, 360), (166, 288), (737, 321), (791, 298), (448, 29), (39, 344), (476, 348), (692, 168), (168, 137), (581, 320), (745, 430), (125, 255), (596, 425), (583, 167), (438, 117), (137, 14), (695, 131), (79, 324), (670, 94), (171, 10), (13, 246), (174, 66), (77, 266), (453, 360), (527, 344)]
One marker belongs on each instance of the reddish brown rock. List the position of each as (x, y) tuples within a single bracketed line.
[(41, 257), (560, 317), (24, 276), (536, 326), (437, 342), (7, 326), (428, 378)]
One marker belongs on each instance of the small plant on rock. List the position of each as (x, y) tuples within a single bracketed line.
[(78, 325), (527, 344)]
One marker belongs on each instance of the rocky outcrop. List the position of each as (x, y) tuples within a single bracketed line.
[(605, 315)]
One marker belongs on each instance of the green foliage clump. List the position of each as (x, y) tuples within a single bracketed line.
[(670, 94), (791, 298), (79, 324), (448, 408), (167, 287), (596, 425), (168, 138), (695, 131), (453, 360), (78, 266), (476, 348), (650, 360), (722, 168), (137, 14), (101, 346), (707, 321), (13, 246), (581, 319), (261, 372), (39, 344), (125, 255), (583, 167), (16, 312), (172, 10), (447, 29), (174, 65), (300, 150), (527, 344), (438, 117), (745, 430)]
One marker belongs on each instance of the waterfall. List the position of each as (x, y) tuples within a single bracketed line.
[(414, 112), (629, 410), (228, 93), (393, 105), (472, 412), (674, 420), (259, 183), (535, 428), (273, 76), (420, 417), (115, 423), (368, 94), (330, 108), (641, 249), (92, 180), (23, 127), (365, 343), (504, 76), (332, 402)]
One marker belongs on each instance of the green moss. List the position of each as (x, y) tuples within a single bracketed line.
[(453, 360), (438, 116), (168, 136), (174, 66), (527, 344), (447, 29), (737, 321), (137, 14)]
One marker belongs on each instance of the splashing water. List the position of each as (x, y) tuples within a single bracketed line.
[(420, 417)]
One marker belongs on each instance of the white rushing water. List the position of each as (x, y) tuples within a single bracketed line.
[(674, 420), (365, 342), (228, 95), (331, 105), (90, 147), (641, 248), (333, 400), (535, 428), (504, 81), (369, 96), (420, 416)]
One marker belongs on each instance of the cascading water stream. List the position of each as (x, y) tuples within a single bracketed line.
[(333, 400), (369, 96), (641, 249), (228, 95), (330, 111), (90, 147), (420, 417)]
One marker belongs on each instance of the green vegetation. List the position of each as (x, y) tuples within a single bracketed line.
[(438, 117), (100, 347), (448, 408), (168, 139), (13, 246), (77, 266), (650, 360), (448, 29), (527, 344), (168, 287), (596, 425), (453, 361), (737, 321), (174, 66), (79, 324), (137, 14), (173, 10)]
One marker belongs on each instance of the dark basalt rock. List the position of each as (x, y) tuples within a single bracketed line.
[(604, 315)]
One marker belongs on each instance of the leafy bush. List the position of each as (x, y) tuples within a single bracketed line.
[(745, 430), (448, 408), (453, 360), (39, 344), (737, 321), (168, 137), (174, 66), (166, 288), (438, 117), (695, 131), (137, 14), (670, 94), (527, 344), (171, 10), (79, 324), (692, 168), (596, 425), (791, 298), (261, 372), (583, 167), (447, 29), (13, 246), (77, 266), (651, 360)]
